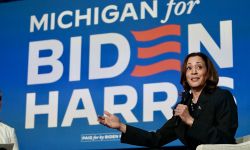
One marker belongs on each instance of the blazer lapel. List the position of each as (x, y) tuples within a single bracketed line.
[(203, 99)]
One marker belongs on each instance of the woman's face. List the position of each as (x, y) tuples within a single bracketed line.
[(196, 73)]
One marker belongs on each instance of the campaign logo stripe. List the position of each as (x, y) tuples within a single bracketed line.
[(155, 33), (164, 65), (156, 50)]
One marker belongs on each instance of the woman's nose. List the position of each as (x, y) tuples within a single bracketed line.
[(194, 70)]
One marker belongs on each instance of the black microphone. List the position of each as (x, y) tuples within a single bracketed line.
[(184, 98)]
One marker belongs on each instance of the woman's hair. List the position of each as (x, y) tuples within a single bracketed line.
[(212, 75)]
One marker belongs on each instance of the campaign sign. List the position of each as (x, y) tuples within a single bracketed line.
[(64, 62)]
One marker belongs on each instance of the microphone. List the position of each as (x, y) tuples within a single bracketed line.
[(184, 98)]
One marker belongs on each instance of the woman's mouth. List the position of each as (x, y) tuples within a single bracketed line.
[(195, 79)]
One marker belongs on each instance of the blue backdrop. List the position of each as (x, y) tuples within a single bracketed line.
[(64, 62)]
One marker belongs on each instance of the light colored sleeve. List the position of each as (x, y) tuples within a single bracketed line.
[(14, 140)]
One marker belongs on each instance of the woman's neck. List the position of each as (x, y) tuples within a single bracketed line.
[(196, 93)]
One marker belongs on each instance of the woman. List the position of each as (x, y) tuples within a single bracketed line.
[(207, 114), (7, 133)]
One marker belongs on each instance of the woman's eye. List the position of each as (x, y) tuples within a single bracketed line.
[(199, 67), (189, 68)]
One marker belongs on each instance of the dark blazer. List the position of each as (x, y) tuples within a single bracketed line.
[(216, 122)]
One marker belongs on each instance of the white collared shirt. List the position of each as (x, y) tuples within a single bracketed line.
[(7, 135)]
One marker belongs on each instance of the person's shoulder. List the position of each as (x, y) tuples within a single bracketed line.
[(5, 126), (222, 95), (220, 91)]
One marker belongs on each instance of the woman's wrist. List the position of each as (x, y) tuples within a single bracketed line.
[(190, 121), (122, 128)]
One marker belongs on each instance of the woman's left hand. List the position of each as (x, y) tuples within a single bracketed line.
[(182, 111)]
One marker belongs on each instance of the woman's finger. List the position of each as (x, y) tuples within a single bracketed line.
[(107, 113)]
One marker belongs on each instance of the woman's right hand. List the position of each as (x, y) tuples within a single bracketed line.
[(112, 121)]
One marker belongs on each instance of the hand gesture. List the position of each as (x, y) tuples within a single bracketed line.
[(109, 120), (182, 111)]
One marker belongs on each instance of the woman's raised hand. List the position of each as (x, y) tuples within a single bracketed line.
[(112, 121)]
